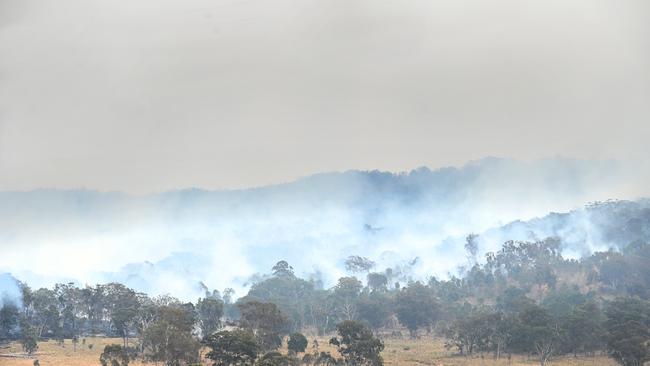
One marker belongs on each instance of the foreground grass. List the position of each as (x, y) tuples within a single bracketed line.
[(51, 354), (427, 352), (398, 352)]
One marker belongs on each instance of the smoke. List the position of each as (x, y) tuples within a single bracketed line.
[(9, 290), (11, 11), (414, 223), (223, 93)]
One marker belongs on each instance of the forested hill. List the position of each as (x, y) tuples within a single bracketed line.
[(169, 242), (524, 298), (596, 227)]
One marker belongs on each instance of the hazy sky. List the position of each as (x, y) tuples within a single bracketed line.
[(148, 95)]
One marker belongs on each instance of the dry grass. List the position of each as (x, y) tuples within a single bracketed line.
[(51, 354), (402, 352), (427, 352)]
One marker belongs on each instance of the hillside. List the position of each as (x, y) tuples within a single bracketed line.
[(170, 241)]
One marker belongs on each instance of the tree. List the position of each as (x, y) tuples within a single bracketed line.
[(69, 303), (512, 300), (122, 305), (46, 313), (628, 324), (355, 264), (169, 338), (345, 295), (348, 287), (502, 332), (326, 359), (357, 344), (9, 316), (374, 308), (377, 282), (232, 348), (94, 306), (527, 263), (290, 293), (266, 321), (230, 310), (537, 332), (471, 247), (276, 359), (282, 268), (114, 355), (584, 329), (297, 343), (416, 307), (471, 332), (28, 337), (562, 301), (209, 313)]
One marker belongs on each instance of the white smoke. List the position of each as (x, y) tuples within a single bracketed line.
[(168, 243)]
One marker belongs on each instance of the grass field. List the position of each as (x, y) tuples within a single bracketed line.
[(403, 352)]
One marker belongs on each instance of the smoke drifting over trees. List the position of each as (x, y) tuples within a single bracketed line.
[(526, 298), (572, 283), (415, 223)]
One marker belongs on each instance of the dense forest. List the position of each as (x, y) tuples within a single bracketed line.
[(525, 299)]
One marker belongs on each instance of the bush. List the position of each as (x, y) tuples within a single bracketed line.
[(116, 355), (297, 343), (29, 341)]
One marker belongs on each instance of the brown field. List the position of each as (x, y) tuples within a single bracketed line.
[(51, 354), (403, 352)]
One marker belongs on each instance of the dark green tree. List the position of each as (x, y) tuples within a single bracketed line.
[(28, 337), (416, 307), (297, 343), (275, 358), (584, 329), (377, 282), (9, 317), (537, 332), (374, 308), (282, 268), (628, 324), (290, 293), (232, 348), (357, 344), (266, 321), (472, 332), (115, 355), (326, 359)]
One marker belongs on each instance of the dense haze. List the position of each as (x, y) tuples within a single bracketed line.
[(150, 95), (162, 143), (169, 242), (206, 181)]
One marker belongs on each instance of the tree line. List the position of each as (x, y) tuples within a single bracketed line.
[(523, 299)]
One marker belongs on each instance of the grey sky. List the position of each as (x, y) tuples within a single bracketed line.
[(148, 95)]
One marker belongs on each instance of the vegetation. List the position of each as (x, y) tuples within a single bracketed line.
[(297, 343), (628, 323), (525, 299), (357, 344), (237, 347), (114, 355)]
